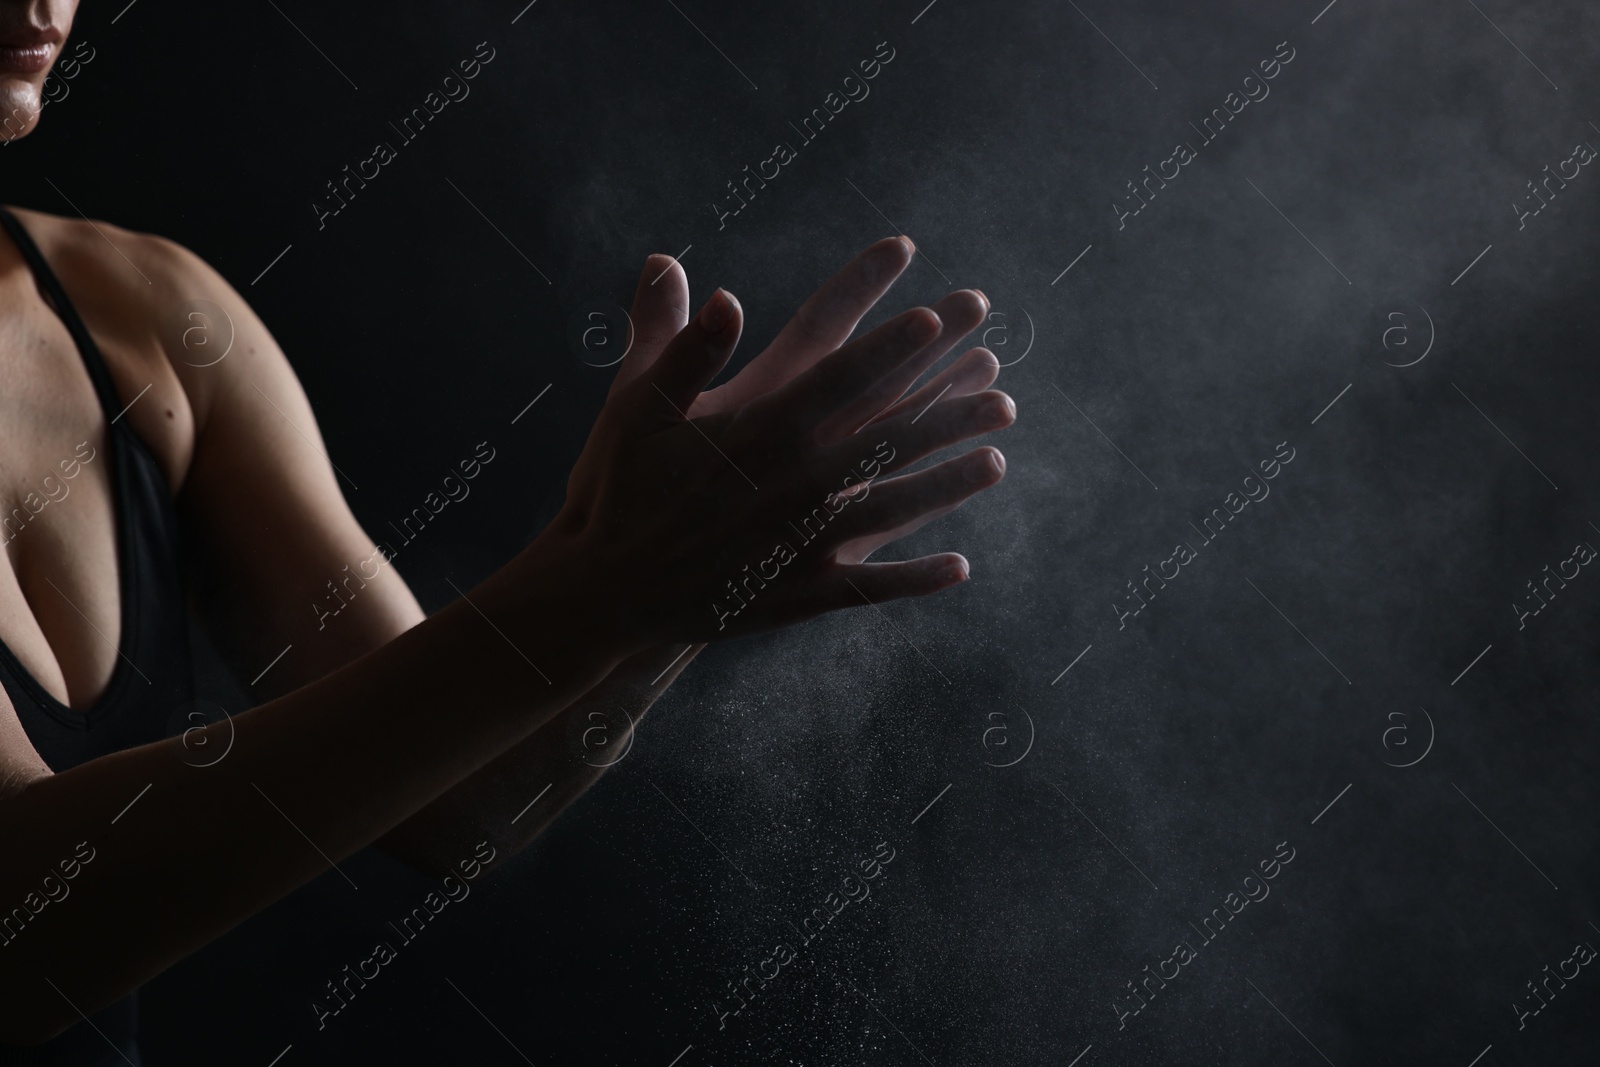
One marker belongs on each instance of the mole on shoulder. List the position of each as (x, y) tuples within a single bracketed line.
[(169, 413)]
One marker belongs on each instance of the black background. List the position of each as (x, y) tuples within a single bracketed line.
[(1178, 751)]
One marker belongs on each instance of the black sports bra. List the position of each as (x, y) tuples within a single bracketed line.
[(153, 682)]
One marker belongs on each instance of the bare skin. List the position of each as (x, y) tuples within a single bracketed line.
[(387, 727), (614, 708)]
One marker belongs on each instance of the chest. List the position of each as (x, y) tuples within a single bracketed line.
[(60, 586)]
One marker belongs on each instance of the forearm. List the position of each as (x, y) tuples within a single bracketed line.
[(512, 799), (183, 853), (488, 804)]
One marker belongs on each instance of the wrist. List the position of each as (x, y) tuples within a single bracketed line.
[(561, 581), (542, 610)]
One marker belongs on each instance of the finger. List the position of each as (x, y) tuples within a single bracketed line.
[(697, 353), (824, 322), (660, 310), (959, 313), (862, 584), (848, 372), (975, 370), (829, 317), (862, 548), (894, 502), (912, 435)]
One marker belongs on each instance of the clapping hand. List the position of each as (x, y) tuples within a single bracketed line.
[(681, 490)]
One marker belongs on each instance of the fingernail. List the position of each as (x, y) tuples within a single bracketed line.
[(996, 412), (985, 296), (717, 313), (983, 467), (911, 246), (953, 572)]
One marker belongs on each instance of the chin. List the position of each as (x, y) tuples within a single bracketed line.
[(20, 103)]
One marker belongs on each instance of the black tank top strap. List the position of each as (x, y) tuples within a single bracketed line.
[(92, 360)]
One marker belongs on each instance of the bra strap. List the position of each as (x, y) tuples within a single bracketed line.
[(93, 362)]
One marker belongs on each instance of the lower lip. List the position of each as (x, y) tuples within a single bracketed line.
[(29, 60)]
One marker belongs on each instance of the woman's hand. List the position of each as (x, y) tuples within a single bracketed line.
[(825, 321), (756, 513)]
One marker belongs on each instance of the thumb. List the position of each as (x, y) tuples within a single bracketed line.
[(698, 352)]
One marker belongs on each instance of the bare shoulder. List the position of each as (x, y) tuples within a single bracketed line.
[(162, 317), (117, 266)]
